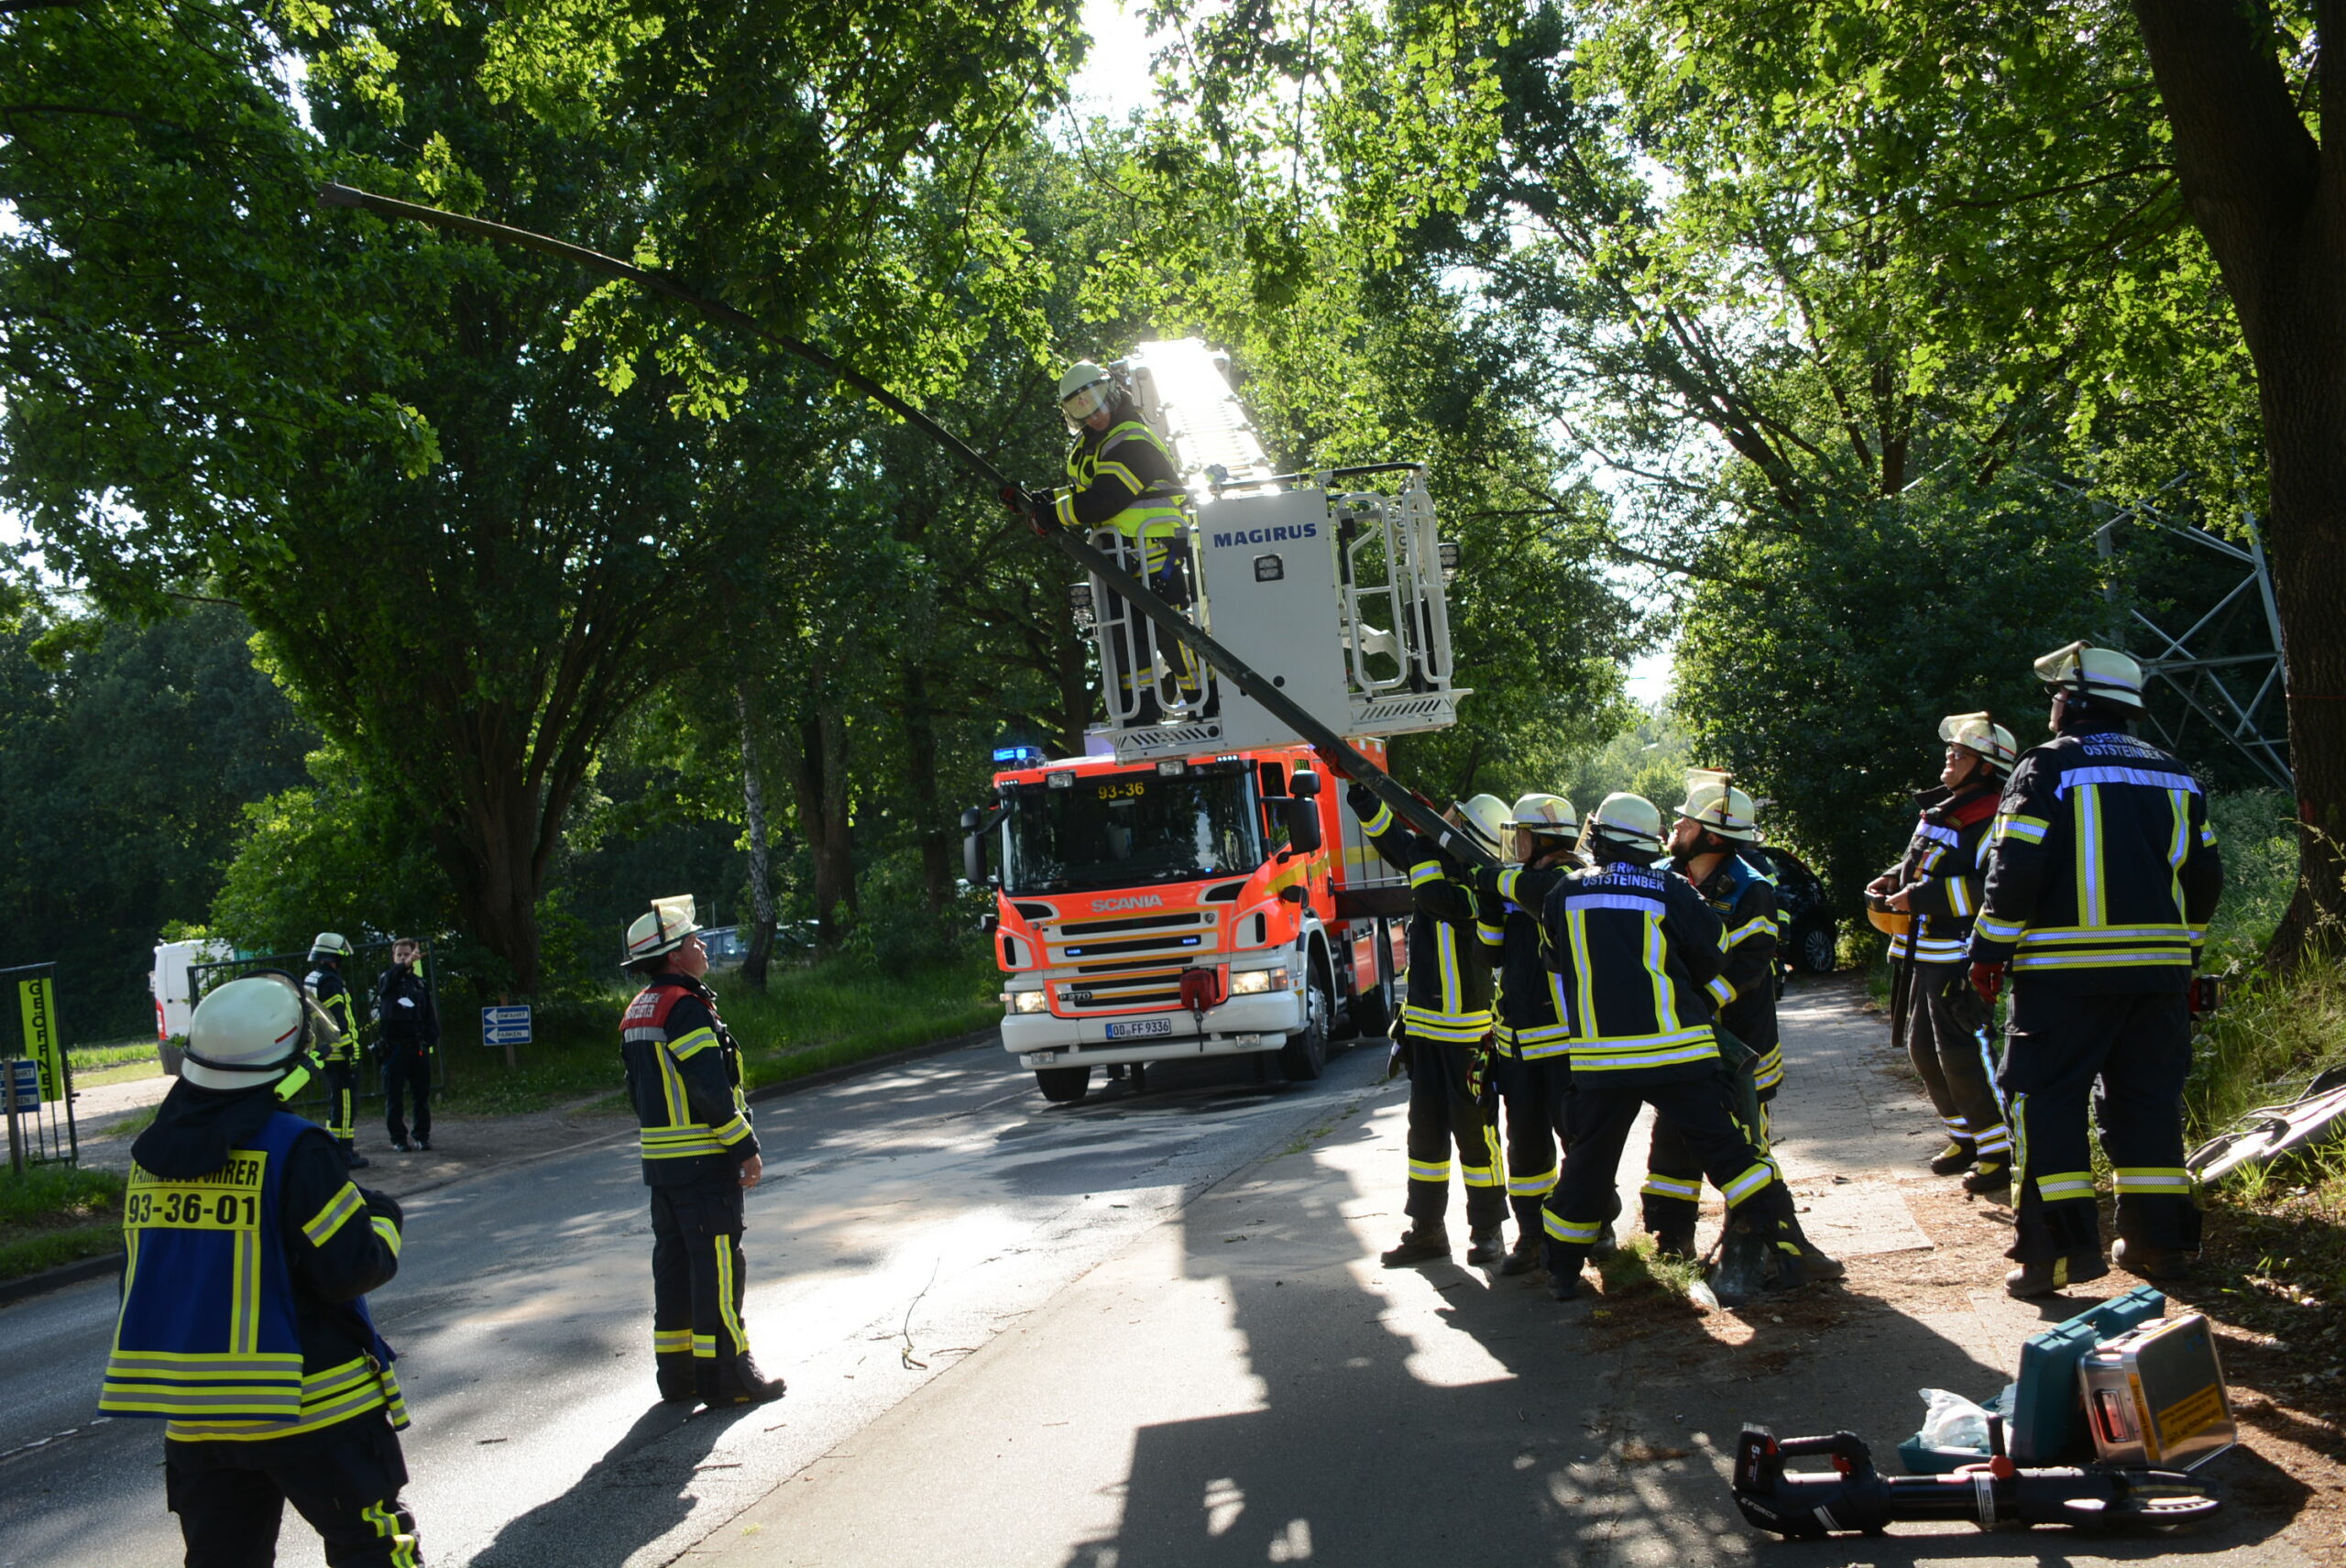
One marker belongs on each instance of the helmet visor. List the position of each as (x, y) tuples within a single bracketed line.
[(1084, 402)]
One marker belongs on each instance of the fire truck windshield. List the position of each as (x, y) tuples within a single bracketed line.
[(1121, 829)]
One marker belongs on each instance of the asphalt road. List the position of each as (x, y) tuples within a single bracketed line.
[(908, 1217)]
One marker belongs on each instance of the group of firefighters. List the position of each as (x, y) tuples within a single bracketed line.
[(1599, 966), (1586, 981)]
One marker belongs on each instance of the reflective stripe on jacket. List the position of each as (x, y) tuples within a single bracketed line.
[(1123, 477), (684, 1076), (1534, 1020), (326, 988), (1744, 898), (1946, 864), (2103, 871), (1448, 992), (1636, 947)]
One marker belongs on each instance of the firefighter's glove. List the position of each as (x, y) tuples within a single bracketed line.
[(1364, 801), (1988, 979), (1396, 1060)]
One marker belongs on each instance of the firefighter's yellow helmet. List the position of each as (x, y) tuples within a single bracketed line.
[(1720, 808), (1977, 732), (663, 930), (1630, 821), (2103, 673)]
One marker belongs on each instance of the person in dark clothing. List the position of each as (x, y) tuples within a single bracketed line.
[(1938, 884), (1442, 1036), (1637, 949), (2102, 874), (244, 1324), (700, 1156), (339, 1049), (407, 1033)]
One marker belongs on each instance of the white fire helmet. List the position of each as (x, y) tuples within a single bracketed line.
[(1084, 390), (1630, 821), (1484, 817), (1977, 732), (1548, 814), (246, 1033), (1719, 808), (663, 930), (2103, 673), (329, 944)]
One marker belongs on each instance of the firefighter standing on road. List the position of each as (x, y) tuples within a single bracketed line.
[(700, 1156), (1938, 884), (1637, 949), (2102, 874), (1528, 1043), (1714, 822), (244, 1323), (407, 1030), (1442, 1034), (331, 993)]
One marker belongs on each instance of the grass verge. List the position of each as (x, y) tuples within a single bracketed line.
[(1635, 1269), (56, 1215), (843, 1011)]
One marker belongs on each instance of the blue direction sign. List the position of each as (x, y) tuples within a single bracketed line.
[(24, 1083), (505, 1025)]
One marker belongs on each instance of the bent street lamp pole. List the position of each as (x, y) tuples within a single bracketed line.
[(1338, 752)]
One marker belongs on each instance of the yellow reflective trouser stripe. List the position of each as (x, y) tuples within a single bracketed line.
[(1996, 1138), (1751, 1181), (725, 1308), (1770, 1070), (389, 1526), (2055, 1186), (1576, 1233), (2139, 1178), (1429, 1170), (704, 1346), (672, 1341), (1479, 1175), (328, 1220), (1671, 1186), (1537, 1185)]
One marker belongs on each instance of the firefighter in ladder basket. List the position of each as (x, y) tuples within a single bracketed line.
[(1120, 476)]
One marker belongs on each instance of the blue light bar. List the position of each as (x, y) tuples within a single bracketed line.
[(1018, 755)]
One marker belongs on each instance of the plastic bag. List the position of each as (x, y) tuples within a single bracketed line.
[(1953, 1422)]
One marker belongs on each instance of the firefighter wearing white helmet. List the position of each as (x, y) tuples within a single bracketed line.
[(244, 1324), (1637, 949), (331, 991), (1442, 1032), (2102, 874), (1120, 476), (1931, 898), (1528, 1043), (1713, 822), (700, 1156)]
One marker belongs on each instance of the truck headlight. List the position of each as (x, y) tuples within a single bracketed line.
[(1026, 1001), (1256, 982)]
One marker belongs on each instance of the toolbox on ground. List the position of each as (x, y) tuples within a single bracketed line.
[(2155, 1395), (2044, 1418)]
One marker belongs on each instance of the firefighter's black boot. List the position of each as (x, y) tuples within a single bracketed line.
[(2162, 1265), (1956, 1158), (1563, 1285), (1992, 1175), (353, 1158), (1524, 1256), (674, 1373), (1487, 1249), (2052, 1277), (742, 1384), (1675, 1242), (1420, 1243)]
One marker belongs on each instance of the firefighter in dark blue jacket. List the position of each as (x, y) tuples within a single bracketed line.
[(1444, 1035), (700, 1156), (1637, 949), (2102, 874), (248, 1254), (1529, 1041)]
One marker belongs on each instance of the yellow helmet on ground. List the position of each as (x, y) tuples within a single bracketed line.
[(1628, 821), (663, 930), (1720, 808), (1977, 732), (246, 1033), (2103, 674)]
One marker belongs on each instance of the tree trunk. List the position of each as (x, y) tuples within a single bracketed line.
[(820, 784), (2272, 204), (753, 809), (920, 779)]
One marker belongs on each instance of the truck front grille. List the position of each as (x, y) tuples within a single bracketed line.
[(1126, 965)]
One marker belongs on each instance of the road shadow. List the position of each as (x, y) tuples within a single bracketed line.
[(1455, 1416), (633, 1495)]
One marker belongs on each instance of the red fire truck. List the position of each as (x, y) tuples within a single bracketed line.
[(1183, 908)]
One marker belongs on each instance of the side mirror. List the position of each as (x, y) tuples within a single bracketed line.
[(973, 846), (1303, 821), (1304, 785)]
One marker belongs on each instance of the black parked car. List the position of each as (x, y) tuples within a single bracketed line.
[(1810, 930)]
